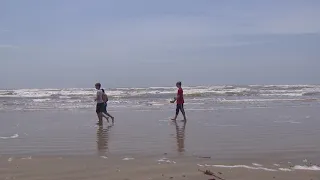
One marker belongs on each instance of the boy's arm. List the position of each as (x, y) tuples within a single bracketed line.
[(97, 96), (107, 99), (175, 98)]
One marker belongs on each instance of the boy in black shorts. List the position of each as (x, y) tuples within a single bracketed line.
[(100, 103)]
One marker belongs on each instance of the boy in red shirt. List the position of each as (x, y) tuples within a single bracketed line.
[(180, 102)]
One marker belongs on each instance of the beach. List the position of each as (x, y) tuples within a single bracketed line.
[(236, 137), (91, 167)]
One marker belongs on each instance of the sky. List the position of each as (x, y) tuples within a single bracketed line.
[(141, 43)]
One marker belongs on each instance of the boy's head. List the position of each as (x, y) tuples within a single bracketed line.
[(178, 84), (98, 86)]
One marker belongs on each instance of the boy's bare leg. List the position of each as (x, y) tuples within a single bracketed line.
[(100, 118), (112, 118), (183, 113), (177, 112), (105, 116), (175, 118)]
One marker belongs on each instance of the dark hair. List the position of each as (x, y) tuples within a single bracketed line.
[(179, 83), (98, 85)]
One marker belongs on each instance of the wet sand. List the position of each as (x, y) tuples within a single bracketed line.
[(242, 143), (49, 168)]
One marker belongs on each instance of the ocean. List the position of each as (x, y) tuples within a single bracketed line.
[(157, 98)]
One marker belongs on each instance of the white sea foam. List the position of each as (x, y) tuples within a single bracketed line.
[(41, 100), (10, 137), (256, 164), (279, 90), (292, 122), (42, 93), (194, 103), (285, 169), (308, 168), (27, 158), (127, 159), (166, 160), (156, 104), (257, 100), (242, 166), (283, 94), (157, 97), (64, 97)]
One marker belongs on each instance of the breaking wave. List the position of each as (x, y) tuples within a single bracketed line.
[(165, 92), (29, 99)]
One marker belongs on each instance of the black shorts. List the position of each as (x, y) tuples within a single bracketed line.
[(100, 108), (179, 108)]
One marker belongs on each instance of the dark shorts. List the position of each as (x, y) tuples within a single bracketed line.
[(179, 108), (100, 108)]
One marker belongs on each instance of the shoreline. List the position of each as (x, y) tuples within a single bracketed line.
[(93, 167)]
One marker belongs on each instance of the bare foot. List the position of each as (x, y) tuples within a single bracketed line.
[(173, 119)]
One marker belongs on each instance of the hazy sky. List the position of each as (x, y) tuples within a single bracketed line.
[(121, 43)]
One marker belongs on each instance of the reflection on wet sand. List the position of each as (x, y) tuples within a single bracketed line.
[(102, 140), (180, 135)]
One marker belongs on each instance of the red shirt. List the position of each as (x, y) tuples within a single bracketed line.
[(180, 99)]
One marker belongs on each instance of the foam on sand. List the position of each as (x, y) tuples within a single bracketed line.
[(166, 160), (27, 158), (10, 137), (260, 167), (285, 169), (240, 166), (307, 168), (256, 164)]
